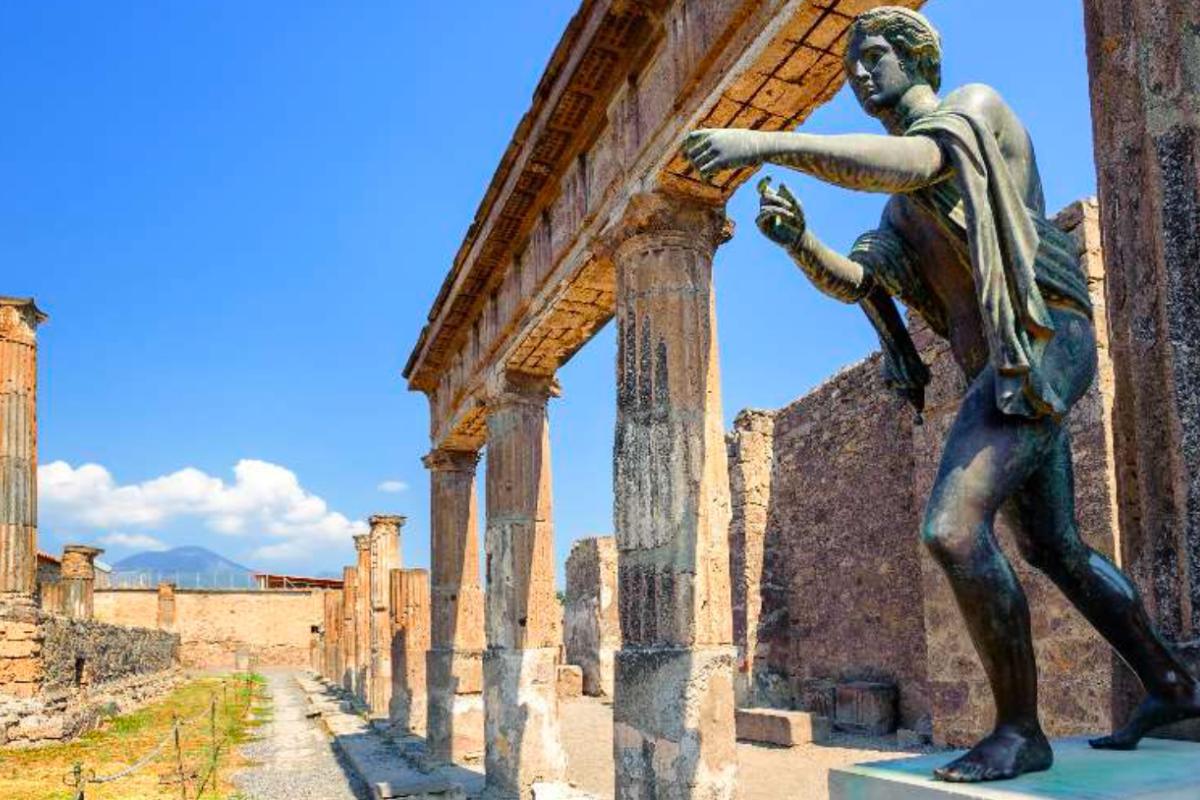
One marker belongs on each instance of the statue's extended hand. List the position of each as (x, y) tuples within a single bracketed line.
[(780, 215), (713, 149)]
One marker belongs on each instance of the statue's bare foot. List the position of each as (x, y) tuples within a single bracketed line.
[(1154, 711), (1006, 753)]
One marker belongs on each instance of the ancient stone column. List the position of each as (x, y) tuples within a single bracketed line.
[(79, 579), (410, 643), (19, 319), (522, 619), (1146, 123), (673, 711), (591, 628), (454, 665), (385, 556), (362, 619), (348, 657), (331, 663), (166, 606)]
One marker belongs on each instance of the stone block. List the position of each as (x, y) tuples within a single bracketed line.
[(1158, 770), (570, 680), (524, 744), (819, 695), (461, 670), (782, 728), (866, 708)]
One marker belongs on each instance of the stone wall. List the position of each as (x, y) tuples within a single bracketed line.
[(274, 626), (591, 630), (843, 586)]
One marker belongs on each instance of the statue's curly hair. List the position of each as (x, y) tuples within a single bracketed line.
[(909, 32)]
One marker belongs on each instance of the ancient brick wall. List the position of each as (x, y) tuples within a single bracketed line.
[(85, 651), (591, 630), (275, 627)]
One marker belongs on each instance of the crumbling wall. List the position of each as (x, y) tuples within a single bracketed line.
[(273, 626), (591, 630)]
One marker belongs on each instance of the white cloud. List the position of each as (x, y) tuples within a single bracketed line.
[(264, 500), (133, 541), (393, 487)]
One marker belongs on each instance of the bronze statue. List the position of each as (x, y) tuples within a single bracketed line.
[(964, 242)]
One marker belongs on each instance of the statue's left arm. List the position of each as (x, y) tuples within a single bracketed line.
[(866, 162)]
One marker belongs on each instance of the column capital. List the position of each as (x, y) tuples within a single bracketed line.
[(19, 319), (362, 541), (658, 218), (507, 388), (442, 459), (386, 521), (79, 561)]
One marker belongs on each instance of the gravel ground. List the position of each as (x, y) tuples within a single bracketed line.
[(294, 759)]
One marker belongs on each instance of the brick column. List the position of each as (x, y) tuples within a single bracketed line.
[(454, 666), (166, 606), (79, 579), (1146, 122), (19, 319), (673, 711), (385, 556), (410, 643), (348, 655), (362, 618), (523, 622)]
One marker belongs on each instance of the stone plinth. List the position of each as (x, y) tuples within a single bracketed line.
[(79, 580), (410, 642), (454, 663), (1158, 770), (19, 319), (674, 673), (781, 728), (591, 629), (166, 606), (385, 557), (522, 620)]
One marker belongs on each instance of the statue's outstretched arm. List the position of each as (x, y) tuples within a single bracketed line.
[(781, 219), (863, 161)]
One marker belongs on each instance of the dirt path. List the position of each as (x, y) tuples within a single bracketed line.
[(294, 758)]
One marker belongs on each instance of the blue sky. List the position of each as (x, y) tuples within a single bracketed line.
[(237, 215)]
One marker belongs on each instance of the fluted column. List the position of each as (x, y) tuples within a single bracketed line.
[(385, 556), (673, 711), (410, 643), (362, 618), (79, 580), (523, 619), (19, 319), (166, 606), (349, 649), (454, 666)]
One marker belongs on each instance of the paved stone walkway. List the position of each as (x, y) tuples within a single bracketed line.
[(294, 757)]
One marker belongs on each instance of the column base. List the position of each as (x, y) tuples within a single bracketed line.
[(673, 724), (524, 743), (455, 697)]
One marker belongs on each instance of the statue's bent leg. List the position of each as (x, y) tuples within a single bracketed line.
[(1048, 536), (987, 457)]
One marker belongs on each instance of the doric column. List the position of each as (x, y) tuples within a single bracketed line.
[(166, 606), (385, 556), (79, 579), (362, 619), (673, 710), (410, 643), (454, 664), (19, 319), (523, 620), (349, 650)]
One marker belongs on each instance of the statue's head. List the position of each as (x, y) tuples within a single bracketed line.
[(890, 49)]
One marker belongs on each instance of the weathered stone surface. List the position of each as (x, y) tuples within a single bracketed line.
[(166, 606), (78, 580), (385, 556), (454, 682), (569, 681), (782, 728), (1144, 85), (591, 630), (521, 721), (410, 641), (865, 707), (362, 619), (349, 655)]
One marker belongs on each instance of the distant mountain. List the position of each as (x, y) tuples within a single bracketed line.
[(186, 567)]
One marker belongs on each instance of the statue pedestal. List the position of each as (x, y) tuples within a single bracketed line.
[(1158, 770)]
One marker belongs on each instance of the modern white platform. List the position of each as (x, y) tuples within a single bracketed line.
[(1158, 770)]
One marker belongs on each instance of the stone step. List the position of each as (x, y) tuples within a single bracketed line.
[(782, 728)]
